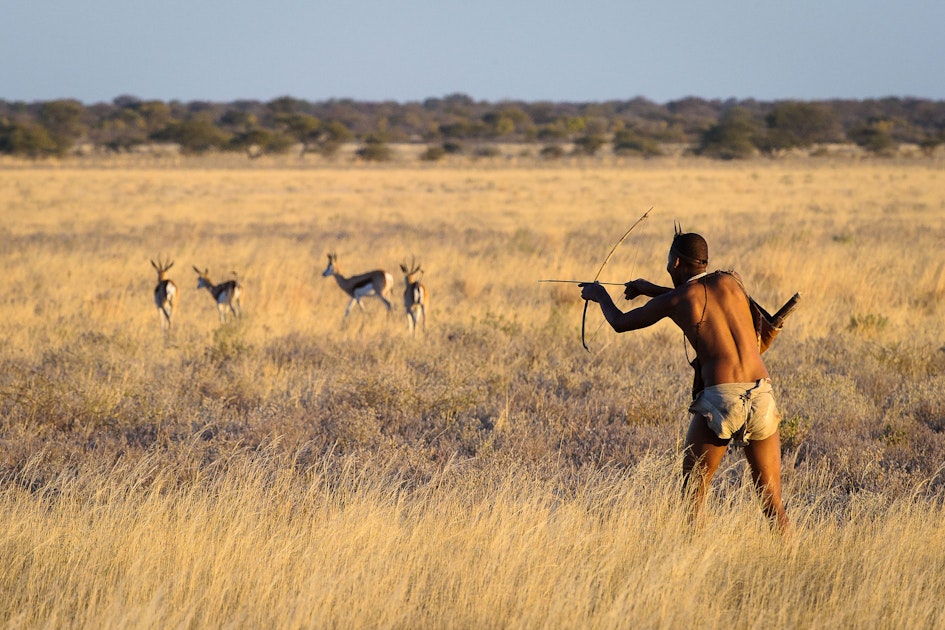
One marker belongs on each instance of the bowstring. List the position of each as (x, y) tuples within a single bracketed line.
[(633, 264)]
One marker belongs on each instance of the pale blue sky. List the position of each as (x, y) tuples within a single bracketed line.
[(559, 50)]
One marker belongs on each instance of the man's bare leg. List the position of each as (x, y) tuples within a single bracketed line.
[(764, 458), (703, 453)]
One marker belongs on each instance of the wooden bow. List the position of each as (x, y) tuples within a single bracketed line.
[(604, 264)]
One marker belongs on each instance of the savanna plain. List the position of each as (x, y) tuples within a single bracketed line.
[(290, 469)]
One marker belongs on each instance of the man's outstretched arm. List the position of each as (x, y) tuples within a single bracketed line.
[(646, 315)]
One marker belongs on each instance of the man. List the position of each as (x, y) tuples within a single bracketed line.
[(732, 396)]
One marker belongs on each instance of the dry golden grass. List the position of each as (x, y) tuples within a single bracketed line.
[(255, 544), (287, 471)]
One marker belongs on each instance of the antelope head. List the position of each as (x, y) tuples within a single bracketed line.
[(413, 272), (203, 278), (330, 269), (162, 267)]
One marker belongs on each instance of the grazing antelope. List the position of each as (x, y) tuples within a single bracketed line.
[(224, 294), (377, 283), (165, 293), (415, 295)]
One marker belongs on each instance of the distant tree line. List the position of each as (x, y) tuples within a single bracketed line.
[(454, 124)]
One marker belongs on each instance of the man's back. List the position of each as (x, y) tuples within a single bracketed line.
[(714, 314)]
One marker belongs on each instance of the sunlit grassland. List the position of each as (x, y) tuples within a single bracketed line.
[(291, 471)]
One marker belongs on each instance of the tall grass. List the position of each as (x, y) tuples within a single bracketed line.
[(252, 541), (296, 471)]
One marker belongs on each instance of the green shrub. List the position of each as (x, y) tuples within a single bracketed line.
[(453, 148), (734, 136), (195, 135), (29, 139), (794, 124), (488, 151), (374, 150), (589, 144), (630, 142), (874, 136), (433, 154)]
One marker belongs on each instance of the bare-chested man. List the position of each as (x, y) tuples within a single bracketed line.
[(735, 400)]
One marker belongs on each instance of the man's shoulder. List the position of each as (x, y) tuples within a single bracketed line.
[(728, 277), (727, 273), (685, 293), (724, 277)]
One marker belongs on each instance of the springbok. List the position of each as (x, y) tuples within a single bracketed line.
[(165, 293), (377, 283), (415, 295), (224, 294)]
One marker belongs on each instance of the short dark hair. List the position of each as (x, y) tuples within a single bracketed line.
[(690, 247)]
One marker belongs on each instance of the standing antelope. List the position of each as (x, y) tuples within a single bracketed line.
[(415, 295), (165, 293), (375, 283), (224, 294)]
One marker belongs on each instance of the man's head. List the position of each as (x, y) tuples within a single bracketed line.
[(688, 256)]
